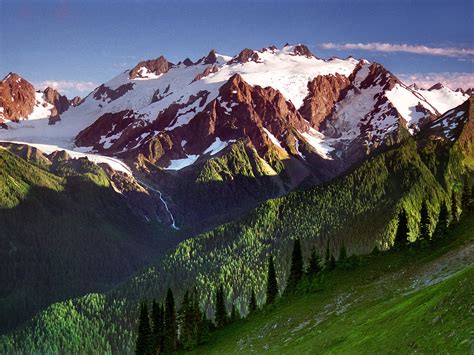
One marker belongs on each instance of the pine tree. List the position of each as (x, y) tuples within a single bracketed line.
[(204, 329), (252, 302), (443, 222), (221, 311), (313, 265), (272, 285), (234, 314), (454, 208), (401, 236), (157, 330), (144, 344), (296, 269), (186, 322), (342, 261), (466, 198), (196, 317), (170, 331), (424, 223)]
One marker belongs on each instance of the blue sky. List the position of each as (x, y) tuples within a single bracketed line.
[(79, 44)]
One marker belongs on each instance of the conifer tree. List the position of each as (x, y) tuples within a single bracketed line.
[(454, 208), (342, 261), (332, 263), (272, 285), (296, 269), (443, 222), (252, 302), (466, 198), (185, 319), (234, 314), (157, 329), (327, 259), (144, 344), (221, 311), (170, 330), (401, 236), (197, 317), (313, 265), (424, 223)]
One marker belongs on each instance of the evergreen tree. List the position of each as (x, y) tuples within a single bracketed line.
[(197, 317), (424, 223), (332, 263), (443, 222), (327, 259), (313, 265), (221, 311), (234, 314), (401, 236), (454, 208), (466, 198), (252, 302), (157, 330), (204, 329), (144, 344), (170, 330), (272, 285), (186, 322), (296, 269), (342, 261)]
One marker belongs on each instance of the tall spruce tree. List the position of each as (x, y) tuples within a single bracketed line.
[(424, 223), (296, 269), (234, 314), (443, 222), (314, 267), (196, 317), (157, 329), (170, 339), (252, 302), (221, 311), (144, 343), (466, 198), (401, 236), (454, 208), (272, 285)]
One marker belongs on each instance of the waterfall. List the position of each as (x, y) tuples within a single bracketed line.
[(173, 224)]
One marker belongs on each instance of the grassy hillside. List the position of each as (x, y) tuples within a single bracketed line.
[(63, 235), (357, 210), (394, 303)]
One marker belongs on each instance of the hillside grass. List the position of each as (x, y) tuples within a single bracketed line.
[(401, 302)]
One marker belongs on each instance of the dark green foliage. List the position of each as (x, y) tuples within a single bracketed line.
[(401, 236), (314, 267), (443, 222), (454, 208), (467, 201), (343, 261), (425, 223), (189, 321), (221, 311), (272, 285), (144, 344), (332, 263), (327, 259), (296, 269), (157, 317), (234, 314), (252, 303), (171, 329), (357, 210)]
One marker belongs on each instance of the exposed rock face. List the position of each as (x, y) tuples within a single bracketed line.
[(211, 58), (76, 101), (188, 62), (155, 66), (301, 49), (104, 93), (17, 97), (246, 55), (60, 102), (324, 92), (209, 70)]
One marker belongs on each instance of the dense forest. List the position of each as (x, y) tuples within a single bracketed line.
[(355, 213)]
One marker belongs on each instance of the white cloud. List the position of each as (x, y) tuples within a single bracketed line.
[(407, 48), (67, 85), (451, 80)]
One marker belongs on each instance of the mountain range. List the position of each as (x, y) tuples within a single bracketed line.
[(193, 173)]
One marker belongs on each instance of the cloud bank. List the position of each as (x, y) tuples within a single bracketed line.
[(67, 85), (407, 48), (451, 80)]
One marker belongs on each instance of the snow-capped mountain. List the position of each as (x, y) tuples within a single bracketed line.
[(281, 117)]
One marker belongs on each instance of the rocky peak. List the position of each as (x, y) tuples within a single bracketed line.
[(75, 101), (437, 86), (368, 74), (153, 66), (188, 62), (17, 97), (246, 55), (60, 102), (211, 58), (302, 50)]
